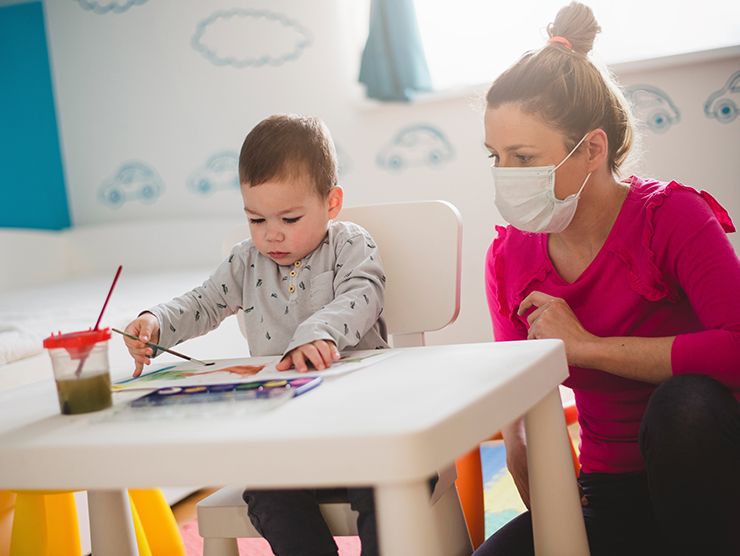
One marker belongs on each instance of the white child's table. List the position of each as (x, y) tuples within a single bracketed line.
[(390, 425)]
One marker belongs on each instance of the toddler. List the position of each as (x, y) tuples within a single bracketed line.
[(308, 288)]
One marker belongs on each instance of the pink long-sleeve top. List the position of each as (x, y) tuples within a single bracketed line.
[(666, 269)]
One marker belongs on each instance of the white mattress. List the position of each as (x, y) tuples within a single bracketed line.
[(32, 314)]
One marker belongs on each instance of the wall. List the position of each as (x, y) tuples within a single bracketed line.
[(149, 91), (33, 192)]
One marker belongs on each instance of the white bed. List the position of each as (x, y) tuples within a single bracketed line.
[(58, 281), (33, 313)]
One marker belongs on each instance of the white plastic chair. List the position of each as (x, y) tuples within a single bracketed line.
[(420, 244)]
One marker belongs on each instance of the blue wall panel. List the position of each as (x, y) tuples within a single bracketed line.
[(32, 192)]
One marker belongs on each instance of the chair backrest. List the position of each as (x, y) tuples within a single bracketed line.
[(420, 244)]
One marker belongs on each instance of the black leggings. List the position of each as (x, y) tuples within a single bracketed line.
[(688, 502)]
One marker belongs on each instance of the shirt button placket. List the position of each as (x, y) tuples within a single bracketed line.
[(293, 280)]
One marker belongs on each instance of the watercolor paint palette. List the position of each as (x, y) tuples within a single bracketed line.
[(237, 392), (204, 400)]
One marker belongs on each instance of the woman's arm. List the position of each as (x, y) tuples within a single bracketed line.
[(515, 441), (645, 359), (695, 259), (704, 263)]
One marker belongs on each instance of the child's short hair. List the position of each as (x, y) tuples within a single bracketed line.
[(285, 146)]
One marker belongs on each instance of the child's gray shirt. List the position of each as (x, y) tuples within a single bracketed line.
[(336, 292)]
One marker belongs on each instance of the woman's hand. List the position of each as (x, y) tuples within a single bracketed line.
[(320, 354), (553, 318), (636, 358)]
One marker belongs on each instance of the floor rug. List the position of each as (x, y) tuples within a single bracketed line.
[(500, 497), (348, 546)]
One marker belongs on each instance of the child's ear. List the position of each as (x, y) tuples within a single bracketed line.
[(335, 199)]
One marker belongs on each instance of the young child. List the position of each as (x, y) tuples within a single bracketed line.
[(308, 286)]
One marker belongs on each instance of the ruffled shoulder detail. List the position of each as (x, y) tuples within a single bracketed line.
[(633, 241), (719, 211), (511, 266)]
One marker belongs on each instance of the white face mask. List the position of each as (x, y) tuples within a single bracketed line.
[(525, 197)]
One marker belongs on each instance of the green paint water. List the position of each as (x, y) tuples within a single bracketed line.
[(85, 394)]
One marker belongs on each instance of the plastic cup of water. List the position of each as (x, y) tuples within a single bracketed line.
[(81, 370)]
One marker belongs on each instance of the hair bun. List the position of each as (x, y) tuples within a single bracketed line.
[(576, 22)]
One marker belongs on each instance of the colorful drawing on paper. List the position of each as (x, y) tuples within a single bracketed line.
[(168, 373), (242, 370)]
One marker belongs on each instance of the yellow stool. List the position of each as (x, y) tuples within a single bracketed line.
[(45, 524), (157, 523), (7, 503)]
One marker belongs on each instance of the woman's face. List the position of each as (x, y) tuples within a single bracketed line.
[(518, 140)]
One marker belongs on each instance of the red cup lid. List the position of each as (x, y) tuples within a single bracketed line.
[(77, 339)]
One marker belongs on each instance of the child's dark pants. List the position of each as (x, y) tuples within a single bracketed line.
[(292, 523)]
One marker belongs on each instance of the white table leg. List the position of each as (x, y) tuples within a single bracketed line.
[(557, 520), (220, 547), (405, 526), (111, 523)]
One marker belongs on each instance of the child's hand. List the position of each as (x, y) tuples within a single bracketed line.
[(146, 327), (320, 353)]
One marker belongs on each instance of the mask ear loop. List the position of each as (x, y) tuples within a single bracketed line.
[(577, 195), (571, 152)]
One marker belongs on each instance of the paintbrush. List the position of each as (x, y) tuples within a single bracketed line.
[(97, 323), (172, 351)]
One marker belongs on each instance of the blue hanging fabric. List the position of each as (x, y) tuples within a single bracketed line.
[(393, 66)]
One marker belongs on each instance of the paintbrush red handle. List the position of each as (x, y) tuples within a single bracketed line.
[(113, 285)]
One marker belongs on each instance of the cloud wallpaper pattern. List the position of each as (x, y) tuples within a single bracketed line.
[(250, 38), (109, 7)]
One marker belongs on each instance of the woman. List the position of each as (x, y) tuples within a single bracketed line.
[(638, 279)]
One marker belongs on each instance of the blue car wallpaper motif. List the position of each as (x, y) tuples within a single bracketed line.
[(721, 105), (656, 107), (220, 172), (115, 6), (250, 38), (417, 145), (133, 181)]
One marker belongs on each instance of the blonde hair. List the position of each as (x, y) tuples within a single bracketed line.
[(285, 146), (567, 90)]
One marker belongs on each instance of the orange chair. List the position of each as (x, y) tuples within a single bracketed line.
[(470, 482)]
